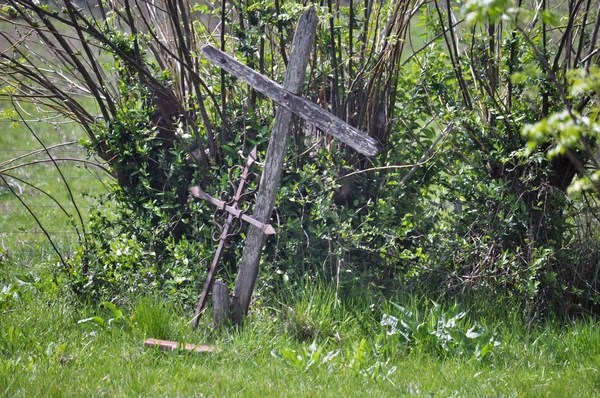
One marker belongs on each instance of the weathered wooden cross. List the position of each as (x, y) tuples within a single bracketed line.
[(289, 102)]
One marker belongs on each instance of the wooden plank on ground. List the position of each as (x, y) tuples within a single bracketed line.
[(165, 345)]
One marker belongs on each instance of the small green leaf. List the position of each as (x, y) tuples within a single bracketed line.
[(95, 320)]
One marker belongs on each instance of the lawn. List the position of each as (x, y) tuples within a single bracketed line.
[(314, 345), (57, 192)]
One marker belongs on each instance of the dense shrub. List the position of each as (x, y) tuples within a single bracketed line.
[(459, 199)]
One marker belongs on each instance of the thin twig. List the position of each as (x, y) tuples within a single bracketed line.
[(37, 220), (424, 160), (76, 160)]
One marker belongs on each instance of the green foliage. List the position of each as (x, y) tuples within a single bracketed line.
[(116, 316), (568, 132), (121, 265), (361, 360), (484, 10), (9, 293), (23, 287), (443, 332), (307, 357), (139, 232), (318, 313), (477, 189)]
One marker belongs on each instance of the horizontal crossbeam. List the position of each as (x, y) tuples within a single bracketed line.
[(302, 107), (199, 193)]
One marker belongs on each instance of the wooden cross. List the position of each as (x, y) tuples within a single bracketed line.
[(233, 211), (289, 102)]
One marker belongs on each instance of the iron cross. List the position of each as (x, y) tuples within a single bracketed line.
[(232, 209)]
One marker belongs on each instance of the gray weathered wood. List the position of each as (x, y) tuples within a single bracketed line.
[(267, 191), (220, 303), (304, 108)]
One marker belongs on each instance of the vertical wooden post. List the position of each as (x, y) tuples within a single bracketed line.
[(294, 79), (220, 303)]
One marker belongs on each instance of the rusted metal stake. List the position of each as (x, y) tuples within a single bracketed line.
[(211, 275), (233, 212)]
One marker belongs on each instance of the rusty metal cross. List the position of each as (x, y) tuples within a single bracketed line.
[(234, 213)]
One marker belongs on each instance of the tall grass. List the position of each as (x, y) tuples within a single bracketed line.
[(318, 342)]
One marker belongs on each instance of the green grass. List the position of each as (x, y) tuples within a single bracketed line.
[(40, 185), (46, 351)]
